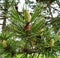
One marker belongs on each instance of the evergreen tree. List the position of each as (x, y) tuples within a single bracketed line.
[(29, 36)]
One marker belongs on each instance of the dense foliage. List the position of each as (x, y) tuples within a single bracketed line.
[(30, 35)]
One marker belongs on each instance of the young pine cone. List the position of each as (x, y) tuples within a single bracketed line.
[(42, 30), (51, 42), (27, 16), (59, 38), (4, 43)]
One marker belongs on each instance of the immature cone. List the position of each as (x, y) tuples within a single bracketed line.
[(59, 38), (42, 34), (4, 43), (41, 30), (27, 15), (51, 42), (33, 42)]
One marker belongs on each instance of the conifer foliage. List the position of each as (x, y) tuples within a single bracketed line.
[(28, 36)]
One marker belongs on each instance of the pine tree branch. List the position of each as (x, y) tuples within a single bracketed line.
[(29, 51)]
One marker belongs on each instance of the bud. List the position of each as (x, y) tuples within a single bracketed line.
[(52, 42), (59, 38), (28, 27), (4, 43), (27, 15), (41, 30), (34, 42), (41, 34)]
